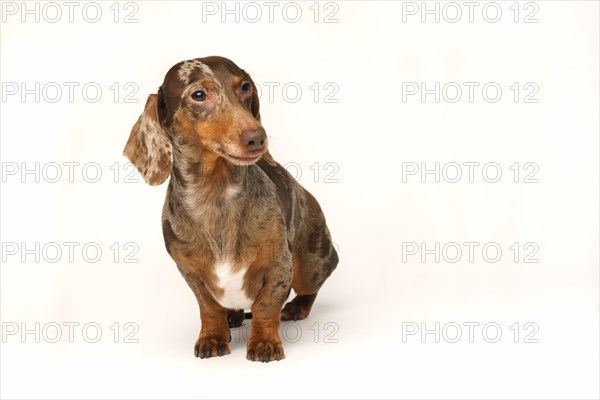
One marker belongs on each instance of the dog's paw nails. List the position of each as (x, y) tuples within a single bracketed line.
[(264, 351), (211, 346)]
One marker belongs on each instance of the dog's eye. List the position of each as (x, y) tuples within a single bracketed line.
[(246, 88), (199, 95)]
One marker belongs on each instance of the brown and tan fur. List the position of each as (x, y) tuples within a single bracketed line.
[(229, 204)]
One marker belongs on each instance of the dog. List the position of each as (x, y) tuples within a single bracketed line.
[(241, 230)]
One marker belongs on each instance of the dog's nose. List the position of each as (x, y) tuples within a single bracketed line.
[(253, 140)]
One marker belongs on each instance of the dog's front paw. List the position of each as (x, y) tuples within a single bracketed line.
[(264, 350), (211, 346)]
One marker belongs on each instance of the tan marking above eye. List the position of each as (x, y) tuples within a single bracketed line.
[(236, 80), (209, 85)]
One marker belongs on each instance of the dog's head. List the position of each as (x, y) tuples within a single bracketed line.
[(209, 103)]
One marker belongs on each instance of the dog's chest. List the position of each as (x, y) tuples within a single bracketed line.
[(213, 211), (232, 283)]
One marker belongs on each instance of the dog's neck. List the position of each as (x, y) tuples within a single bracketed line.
[(208, 173), (210, 192)]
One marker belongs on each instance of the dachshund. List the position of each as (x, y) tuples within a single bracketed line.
[(242, 231)]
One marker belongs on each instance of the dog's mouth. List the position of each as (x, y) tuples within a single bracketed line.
[(247, 159)]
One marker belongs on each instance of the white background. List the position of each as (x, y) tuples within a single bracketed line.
[(370, 133)]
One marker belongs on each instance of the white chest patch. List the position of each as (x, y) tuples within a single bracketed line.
[(232, 191), (234, 296)]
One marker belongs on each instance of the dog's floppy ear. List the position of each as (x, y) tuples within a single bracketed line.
[(148, 147)]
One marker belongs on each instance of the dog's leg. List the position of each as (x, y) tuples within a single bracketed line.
[(264, 343), (314, 258), (310, 272), (214, 334)]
